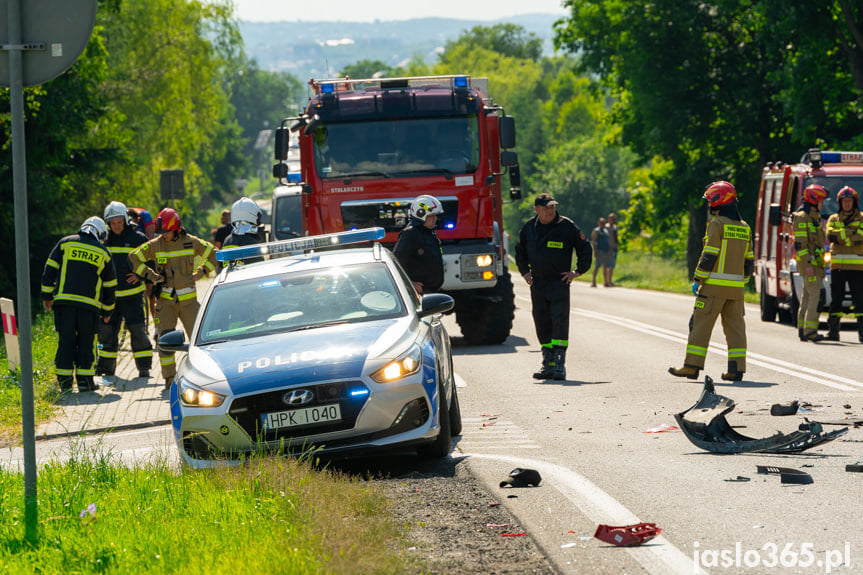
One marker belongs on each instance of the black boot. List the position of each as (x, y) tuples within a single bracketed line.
[(86, 383), (733, 374), (687, 371), (860, 328), (546, 371), (800, 334), (559, 363), (833, 327)]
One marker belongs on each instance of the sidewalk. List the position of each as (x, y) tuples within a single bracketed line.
[(132, 403)]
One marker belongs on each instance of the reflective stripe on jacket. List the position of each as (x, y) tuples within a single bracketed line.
[(175, 260), (727, 259), (809, 239), (79, 273), (846, 241)]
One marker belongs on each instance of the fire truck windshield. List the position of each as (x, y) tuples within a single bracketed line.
[(416, 147), (833, 184)]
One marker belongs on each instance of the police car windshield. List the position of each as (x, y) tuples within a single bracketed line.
[(833, 184), (299, 301)]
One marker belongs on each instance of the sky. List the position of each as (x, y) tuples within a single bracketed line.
[(370, 10)]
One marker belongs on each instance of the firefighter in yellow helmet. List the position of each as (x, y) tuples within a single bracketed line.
[(809, 243), (727, 261), (175, 275), (845, 233)]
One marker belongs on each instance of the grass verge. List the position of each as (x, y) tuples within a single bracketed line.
[(45, 388), (270, 515)]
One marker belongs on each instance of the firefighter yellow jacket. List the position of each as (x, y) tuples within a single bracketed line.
[(175, 262), (809, 240), (79, 273), (727, 260), (846, 241)]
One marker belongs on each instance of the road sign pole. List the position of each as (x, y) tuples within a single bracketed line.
[(22, 267)]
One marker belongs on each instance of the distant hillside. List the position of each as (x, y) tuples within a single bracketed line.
[(321, 49)]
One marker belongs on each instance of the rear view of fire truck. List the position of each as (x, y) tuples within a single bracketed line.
[(369, 147), (777, 278)]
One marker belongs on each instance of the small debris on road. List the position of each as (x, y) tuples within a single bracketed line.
[(786, 474), (739, 479), (787, 409), (627, 535), (662, 428), (522, 478)]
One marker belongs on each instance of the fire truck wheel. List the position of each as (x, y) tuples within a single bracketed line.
[(488, 321), (768, 304)]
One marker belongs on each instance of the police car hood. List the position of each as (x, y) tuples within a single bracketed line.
[(278, 360)]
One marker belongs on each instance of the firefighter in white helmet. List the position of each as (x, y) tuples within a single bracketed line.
[(418, 247), (78, 285), (122, 239), (246, 227)]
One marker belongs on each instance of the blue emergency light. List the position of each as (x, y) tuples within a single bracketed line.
[(328, 88), (294, 177), (301, 244), (460, 82)]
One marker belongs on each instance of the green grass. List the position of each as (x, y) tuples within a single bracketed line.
[(271, 515), (45, 387)]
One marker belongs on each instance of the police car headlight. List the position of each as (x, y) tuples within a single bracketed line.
[(407, 364), (194, 396)]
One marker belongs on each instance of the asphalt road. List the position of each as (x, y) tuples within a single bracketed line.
[(587, 438)]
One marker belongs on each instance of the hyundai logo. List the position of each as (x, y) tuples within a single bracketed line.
[(298, 397)]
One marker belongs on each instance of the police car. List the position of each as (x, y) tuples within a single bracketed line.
[(327, 350)]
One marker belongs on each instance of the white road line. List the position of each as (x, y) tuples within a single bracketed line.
[(459, 380), (661, 557), (778, 365)]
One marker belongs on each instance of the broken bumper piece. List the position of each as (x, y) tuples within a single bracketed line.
[(627, 535), (705, 425)]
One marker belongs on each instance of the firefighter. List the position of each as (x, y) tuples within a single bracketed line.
[(726, 263), (78, 285), (246, 227), (809, 243), (122, 239), (418, 247), (174, 279), (544, 258), (845, 233)]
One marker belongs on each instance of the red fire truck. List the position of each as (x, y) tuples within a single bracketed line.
[(369, 147), (781, 194)]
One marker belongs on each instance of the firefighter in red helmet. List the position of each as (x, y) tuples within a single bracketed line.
[(845, 233), (727, 261), (174, 252), (809, 244)]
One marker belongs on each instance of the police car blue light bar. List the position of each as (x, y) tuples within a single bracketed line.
[(301, 244)]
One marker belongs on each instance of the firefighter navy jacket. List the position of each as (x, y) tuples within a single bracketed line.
[(545, 250), (418, 251), (120, 247), (79, 273)]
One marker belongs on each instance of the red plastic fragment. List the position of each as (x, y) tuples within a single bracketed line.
[(512, 534), (627, 535)]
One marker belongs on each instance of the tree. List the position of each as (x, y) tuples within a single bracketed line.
[(506, 39), (368, 69)]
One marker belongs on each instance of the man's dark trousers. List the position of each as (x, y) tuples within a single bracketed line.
[(550, 299)]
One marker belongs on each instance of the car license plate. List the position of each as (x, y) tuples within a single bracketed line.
[(305, 416)]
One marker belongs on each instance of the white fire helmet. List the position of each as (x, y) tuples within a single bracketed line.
[(96, 227), (116, 210), (245, 216), (424, 206)]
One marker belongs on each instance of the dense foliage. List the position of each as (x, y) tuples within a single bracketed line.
[(163, 84)]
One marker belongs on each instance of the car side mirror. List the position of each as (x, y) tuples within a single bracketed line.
[(173, 341), (436, 303), (775, 217), (508, 158), (283, 140)]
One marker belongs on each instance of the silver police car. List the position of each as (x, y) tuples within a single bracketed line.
[(331, 351)]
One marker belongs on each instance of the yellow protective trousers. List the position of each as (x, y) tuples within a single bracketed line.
[(707, 309), (168, 310)]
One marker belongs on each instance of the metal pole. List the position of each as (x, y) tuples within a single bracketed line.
[(22, 267)]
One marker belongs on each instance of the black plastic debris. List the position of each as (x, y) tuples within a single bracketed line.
[(787, 409), (522, 478), (786, 474), (705, 426), (854, 467), (739, 479)]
